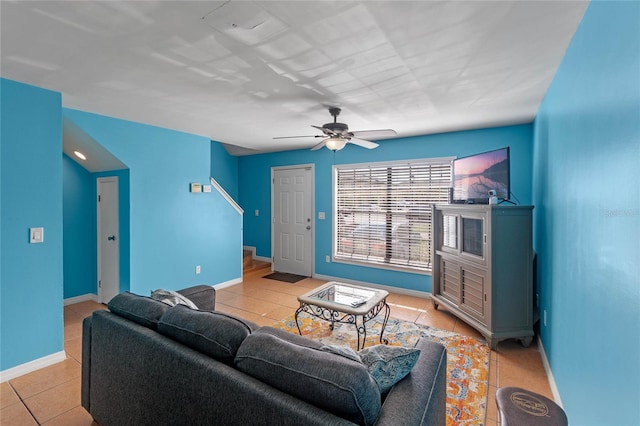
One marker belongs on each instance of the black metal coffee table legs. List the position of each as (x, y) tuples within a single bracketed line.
[(358, 320)]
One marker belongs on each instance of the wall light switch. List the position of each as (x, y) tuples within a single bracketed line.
[(206, 188), (36, 235), (257, 212), (321, 215), (198, 269)]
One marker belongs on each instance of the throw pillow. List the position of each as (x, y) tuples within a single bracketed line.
[(215, 334), (172, 298), (388, 364), (333, 383)]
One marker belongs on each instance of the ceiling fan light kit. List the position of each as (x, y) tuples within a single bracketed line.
[(339, 134), (335, 144)]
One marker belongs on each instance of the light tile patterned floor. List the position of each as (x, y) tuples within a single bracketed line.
[(51, 396)]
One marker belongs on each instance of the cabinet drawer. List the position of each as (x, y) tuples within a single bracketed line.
[(450, 280), (472, 291)]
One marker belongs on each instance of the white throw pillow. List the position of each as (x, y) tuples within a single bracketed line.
[(172, 298)]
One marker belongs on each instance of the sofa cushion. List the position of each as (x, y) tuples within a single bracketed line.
[(344, 351), (140, 309), (388, 364), (290, 337), (331, 382), (215, 334), (172, 298)]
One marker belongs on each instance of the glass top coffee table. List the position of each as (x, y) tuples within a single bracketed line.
[(346, 303)]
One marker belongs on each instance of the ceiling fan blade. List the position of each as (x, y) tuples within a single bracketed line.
[(363, 143), (324, 130), (320, 145), (373, 134), (295, 137)]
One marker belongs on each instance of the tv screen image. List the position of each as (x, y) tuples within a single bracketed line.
[(476, 175)]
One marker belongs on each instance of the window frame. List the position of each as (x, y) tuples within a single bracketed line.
[(398, 165)]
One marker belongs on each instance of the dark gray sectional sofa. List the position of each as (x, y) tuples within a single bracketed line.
[(146, 363)]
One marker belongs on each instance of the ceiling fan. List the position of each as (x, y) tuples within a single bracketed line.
[(337, 135)]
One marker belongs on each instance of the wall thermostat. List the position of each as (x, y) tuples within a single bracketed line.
[(36, 235), (196, 187)]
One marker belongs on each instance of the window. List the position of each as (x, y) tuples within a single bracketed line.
[(382, 211)]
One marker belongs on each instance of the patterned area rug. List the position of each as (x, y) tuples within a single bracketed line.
[(467, 358)]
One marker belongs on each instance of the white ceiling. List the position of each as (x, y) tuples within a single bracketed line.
[(242, 72)]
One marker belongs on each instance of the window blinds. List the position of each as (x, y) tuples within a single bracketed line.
[(382, 211)]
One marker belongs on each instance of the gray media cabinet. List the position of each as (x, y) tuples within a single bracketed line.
[(483, 268)]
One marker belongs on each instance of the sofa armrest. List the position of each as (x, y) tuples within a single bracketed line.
[(204, 296), (86, 363), (419, 398)]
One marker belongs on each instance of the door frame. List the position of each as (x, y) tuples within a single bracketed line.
[(312, 211), (99, 181)]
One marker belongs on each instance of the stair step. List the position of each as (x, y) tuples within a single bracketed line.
[(251, 266), (247, 258)]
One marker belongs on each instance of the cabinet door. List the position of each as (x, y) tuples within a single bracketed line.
[(473, 237), (450, 280), (448, 232), (472, 292)]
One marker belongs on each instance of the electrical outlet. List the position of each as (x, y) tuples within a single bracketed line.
[(544, 317), (198, 269), (328, 259)]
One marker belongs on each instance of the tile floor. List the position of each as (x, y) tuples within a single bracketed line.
[(51, 396)]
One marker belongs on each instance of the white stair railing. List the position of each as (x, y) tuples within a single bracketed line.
[(226, 196)]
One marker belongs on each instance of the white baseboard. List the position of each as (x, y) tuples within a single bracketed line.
[(28, 367), (83, 298), (390, 289), (547, 369), (227, 283)]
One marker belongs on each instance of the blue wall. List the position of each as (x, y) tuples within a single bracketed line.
[(171, 229), (255, 189), (587, 218), (79, 204), (31, 286), (224, 169)]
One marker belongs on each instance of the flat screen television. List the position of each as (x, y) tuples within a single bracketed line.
[(474, 176)]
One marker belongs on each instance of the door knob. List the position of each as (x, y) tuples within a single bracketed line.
[(308, 228), (111, 238)]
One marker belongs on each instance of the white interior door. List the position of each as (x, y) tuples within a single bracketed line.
[(292, 206), (108, 239)]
